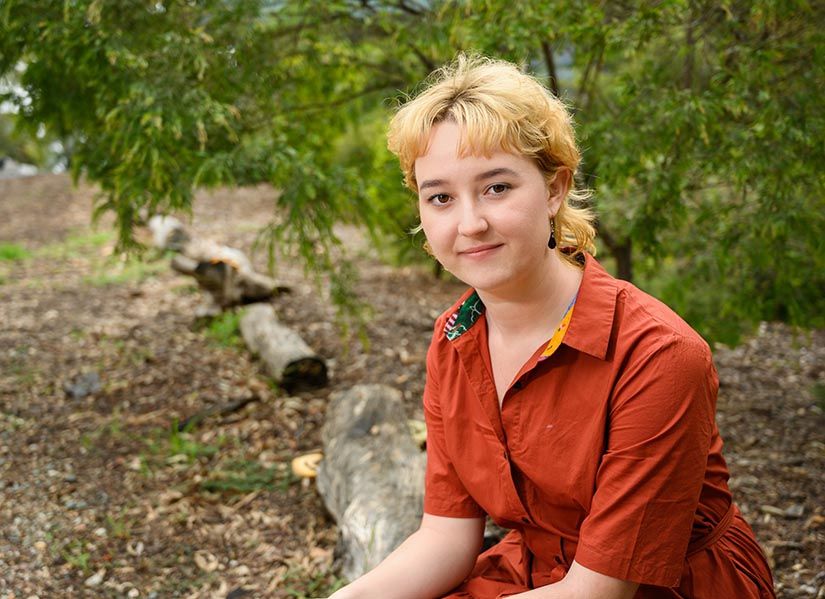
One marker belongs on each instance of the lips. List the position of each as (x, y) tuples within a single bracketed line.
[(480, 250)]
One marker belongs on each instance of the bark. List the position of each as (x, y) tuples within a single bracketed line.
[(372, 475), (285, 355)]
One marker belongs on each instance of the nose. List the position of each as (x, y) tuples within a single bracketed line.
[(471, 219)]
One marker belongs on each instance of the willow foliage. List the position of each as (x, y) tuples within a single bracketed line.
[(700, 121)]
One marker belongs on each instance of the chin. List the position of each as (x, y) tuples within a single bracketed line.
[(485, 283)]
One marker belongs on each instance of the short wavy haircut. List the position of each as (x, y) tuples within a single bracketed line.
[(497, 106)]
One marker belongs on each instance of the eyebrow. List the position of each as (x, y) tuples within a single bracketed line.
[(480, 177)]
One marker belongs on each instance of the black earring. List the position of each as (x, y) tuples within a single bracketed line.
[(551, 243)]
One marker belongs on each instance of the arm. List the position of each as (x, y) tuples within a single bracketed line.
[(433, 560), (583, 583), (650, 477)]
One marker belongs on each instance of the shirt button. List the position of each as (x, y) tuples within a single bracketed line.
[(506, 455)]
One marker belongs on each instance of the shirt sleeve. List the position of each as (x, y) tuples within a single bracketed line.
[(650, 478), (444, 493)]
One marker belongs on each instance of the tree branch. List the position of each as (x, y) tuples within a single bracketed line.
[(592, 70), (423, 58), (410, 9), (551, 67), (607, 237), (341, 101)]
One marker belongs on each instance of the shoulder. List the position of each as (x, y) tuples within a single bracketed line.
[(660, 360), (662, 370), (644, 322), (616, 321)]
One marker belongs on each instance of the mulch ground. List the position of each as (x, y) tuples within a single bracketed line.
[(101, 496)]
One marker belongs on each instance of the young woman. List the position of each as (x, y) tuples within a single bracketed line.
[(570, 407)]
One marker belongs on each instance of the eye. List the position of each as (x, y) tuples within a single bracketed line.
[(498, 189), (438, 199)]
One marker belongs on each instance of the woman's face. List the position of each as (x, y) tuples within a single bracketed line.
[(486, 219)]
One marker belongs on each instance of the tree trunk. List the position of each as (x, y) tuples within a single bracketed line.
[(622, 252), (551, 68), (624, 261)]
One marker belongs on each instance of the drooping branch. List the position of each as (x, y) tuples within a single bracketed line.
[(345, 99), (423, 58)]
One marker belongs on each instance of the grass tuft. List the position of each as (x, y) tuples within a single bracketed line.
[(248, 476), (301, 584), (818, 392), (11, 252), (76, 554), (132, 270), (225, 329)]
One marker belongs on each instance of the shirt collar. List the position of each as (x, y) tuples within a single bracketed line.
[(465, 316), (592, 321), (590, 326)]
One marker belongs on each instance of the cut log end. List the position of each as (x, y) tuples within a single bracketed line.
[(304, 373), (286, 356)]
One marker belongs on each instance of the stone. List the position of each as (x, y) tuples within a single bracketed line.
[(82, 385), (95, 579)]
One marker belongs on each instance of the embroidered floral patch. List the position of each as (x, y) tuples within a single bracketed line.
[(466, 316)]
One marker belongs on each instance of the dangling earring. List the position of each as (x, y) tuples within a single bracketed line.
[(551, 243)]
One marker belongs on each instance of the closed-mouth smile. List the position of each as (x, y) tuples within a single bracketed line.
[(480, 249)]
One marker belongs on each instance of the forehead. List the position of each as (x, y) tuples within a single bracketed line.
[(449, 153)]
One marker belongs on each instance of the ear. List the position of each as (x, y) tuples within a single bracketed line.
[(557, 189)]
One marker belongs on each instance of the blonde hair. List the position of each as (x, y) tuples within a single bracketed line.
[(498, 107)]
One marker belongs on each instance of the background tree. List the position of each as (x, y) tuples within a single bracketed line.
[(700, 122)]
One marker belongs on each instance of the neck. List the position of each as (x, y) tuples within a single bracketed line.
[(535, 305)]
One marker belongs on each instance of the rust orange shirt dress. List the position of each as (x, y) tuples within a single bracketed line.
[(605, 451)]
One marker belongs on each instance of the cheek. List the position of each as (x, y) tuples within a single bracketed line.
[(432, 231), (429, 220), (437, 231)]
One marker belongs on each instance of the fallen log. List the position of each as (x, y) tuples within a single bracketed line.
[(372, 475), (224, 273), (168, 233), (225, 284), (286, 356)]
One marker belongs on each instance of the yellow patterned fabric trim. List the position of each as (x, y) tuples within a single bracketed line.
[(558, 336)]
